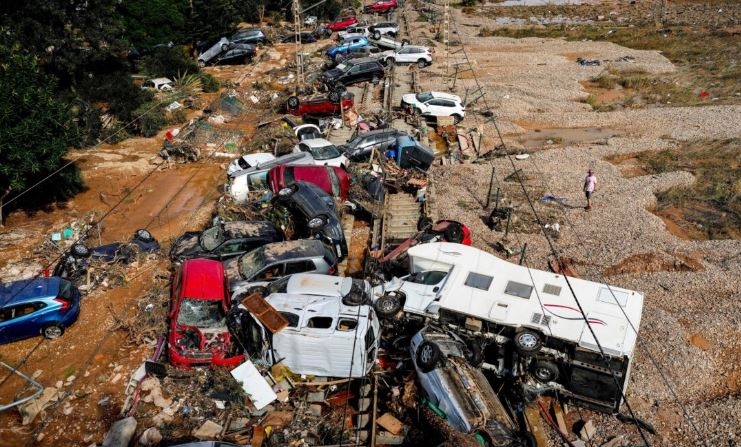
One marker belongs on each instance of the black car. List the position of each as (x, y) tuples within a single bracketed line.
[(251, 36), (354, 71), (313, 214), (306, 37), (360, 146), (242, 54), (224, 240)]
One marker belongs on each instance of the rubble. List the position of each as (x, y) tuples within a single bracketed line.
[(121, 433)]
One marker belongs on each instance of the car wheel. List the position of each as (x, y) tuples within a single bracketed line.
[(421, 63), (287, 191), (355, 299), (545, 371), (377, 35), (388, 305), (201, 64), (143, 235), (428, 354), (423, 223), (453, 233), (528, 342), (80, 251), (293, 102), (334, 96), (457, 118), (52, 331), (224, 47)]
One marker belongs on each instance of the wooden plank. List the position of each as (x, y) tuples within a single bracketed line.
[(390, 423), (559, 417), (535, 424), (273, 320)]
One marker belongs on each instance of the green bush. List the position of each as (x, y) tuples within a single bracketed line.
[(150, 119), (168, 62), (209, 83)]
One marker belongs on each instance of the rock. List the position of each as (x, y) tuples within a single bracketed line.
[(32, 408), (150, 437), (317, 396), (314, 410), (209, 430), (59, 384), (120, 433), (40, 437), (588, 431), (161, 419)]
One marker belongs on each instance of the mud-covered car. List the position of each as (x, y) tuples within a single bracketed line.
[(446, 370), (224, 240), (198, 335), (320, 104), (312, 214), (273, 261)]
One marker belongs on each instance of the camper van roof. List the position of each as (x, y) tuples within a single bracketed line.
[(491, 288)]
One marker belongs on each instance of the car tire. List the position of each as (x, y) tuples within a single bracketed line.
[(453, 233), (388, 305), (377, 35), (334, 96), (527, 342), (421, 63), (201, 64), (293, 102), (457, 118), (545, 371), (52, 331), (224, 46), (355, 299), (287, 192), (143, 235), (424, 223), (80, 251), (428, 355)]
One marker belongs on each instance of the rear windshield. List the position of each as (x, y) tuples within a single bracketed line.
[(65, 289)]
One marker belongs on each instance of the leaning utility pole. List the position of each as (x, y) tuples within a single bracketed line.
[(299, 51)]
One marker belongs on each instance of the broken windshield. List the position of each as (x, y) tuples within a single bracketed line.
[(251, 263), (324, 152), (200, 313), (212, 237)]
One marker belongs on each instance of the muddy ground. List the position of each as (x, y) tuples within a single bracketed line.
[(691, 321)]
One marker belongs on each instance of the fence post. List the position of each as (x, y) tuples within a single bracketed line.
[(491, 185), (522, 253)]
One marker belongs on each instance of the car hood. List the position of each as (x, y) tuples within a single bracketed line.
[(409, 98)]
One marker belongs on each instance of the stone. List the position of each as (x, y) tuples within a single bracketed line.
[(588, 431), (317, 396), (209, 430), (390, 423), (150, 437), (315, 410), (120, 433)]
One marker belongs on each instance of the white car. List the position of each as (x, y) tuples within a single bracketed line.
[(353, 31), (354, 292), (216, 49), (247, 161), (410, 54), (159, 84), (323, 152), (255, 178), (379, 29), (434, 104)]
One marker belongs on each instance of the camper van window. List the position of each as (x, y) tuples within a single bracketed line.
[(479, 281), (292, 318), (428, 278), (611, 296), (517, 289), (347, 324), (551, 289), (320, 322), (370, 338)]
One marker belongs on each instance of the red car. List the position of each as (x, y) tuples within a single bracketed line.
[(332, 180), (342, 23), (198, 332), (381, 6), (328, 104)]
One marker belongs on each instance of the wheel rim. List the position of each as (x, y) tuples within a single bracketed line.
[(543, 374), (52, 332), (527, 340), (425, 355), (388, 304)]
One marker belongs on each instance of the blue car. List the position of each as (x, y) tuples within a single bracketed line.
[(40, 306), (344, 46)]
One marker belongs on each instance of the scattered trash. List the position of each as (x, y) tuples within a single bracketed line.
[(209, 430), (254, 385), (173, 106), (587, 62)]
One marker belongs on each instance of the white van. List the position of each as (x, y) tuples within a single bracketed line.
[(534, 310), (324, 337)]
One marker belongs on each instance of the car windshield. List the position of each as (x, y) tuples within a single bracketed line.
[(212, 238), (324, 152), (279, 285), (200, 313), (424, 96), (251, 263)]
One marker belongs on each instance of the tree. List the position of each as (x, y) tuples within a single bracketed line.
[(211, 18), (153, 22), (35, 131)]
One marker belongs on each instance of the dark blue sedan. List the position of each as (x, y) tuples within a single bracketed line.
[(40, 306)]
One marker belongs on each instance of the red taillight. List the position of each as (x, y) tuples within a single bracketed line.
[(332, 270), (64, 303)]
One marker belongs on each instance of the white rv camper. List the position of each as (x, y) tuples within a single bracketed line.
[(535, 311)]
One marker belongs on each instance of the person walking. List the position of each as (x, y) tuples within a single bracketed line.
[(590, 185)]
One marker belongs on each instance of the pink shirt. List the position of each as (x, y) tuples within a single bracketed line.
[(590, 182)]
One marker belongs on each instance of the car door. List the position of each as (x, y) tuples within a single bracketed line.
[(230, 248), (352, 75), (405, 55), (299, 266), (25, 320)]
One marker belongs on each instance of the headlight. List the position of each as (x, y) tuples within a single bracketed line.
[(317, 222)]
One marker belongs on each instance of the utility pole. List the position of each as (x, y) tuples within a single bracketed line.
[(299, 50), (446, 35)]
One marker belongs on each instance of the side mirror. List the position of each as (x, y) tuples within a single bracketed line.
[(435, 289)]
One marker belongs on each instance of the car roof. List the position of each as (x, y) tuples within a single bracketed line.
[(304, 248), (414, 46), (442, 95), (252, 228), (362, 60), (29, 289), (319, 284), (198, 279)]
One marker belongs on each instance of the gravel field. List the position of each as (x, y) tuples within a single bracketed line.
[(691, 318)]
